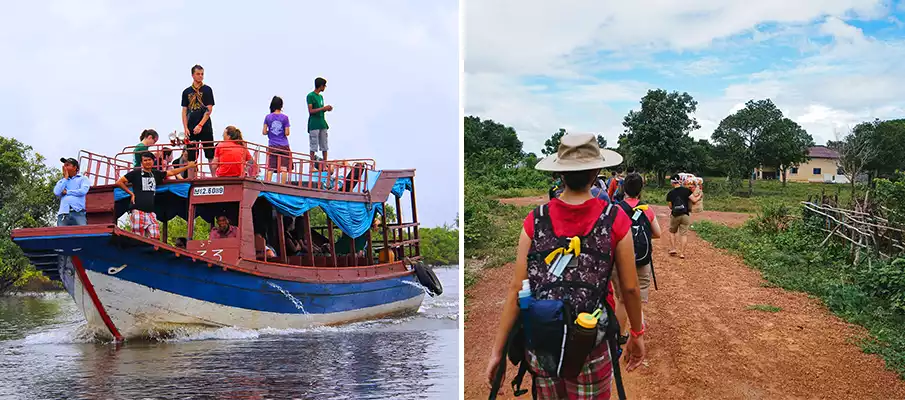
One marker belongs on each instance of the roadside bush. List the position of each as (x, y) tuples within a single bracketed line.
[(772, 217)]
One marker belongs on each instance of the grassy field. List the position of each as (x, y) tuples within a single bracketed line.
[(718, 198)]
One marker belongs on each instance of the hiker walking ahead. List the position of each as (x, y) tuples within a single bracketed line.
[(679, 201), (645, 227), (566, 252)]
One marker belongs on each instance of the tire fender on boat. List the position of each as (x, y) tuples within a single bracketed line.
[(428, 279)]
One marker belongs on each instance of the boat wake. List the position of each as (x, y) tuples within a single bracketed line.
[(433, 311)]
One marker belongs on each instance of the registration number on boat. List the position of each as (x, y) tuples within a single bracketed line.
[(207, 191)]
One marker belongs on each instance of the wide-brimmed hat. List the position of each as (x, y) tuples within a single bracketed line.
[(579, 152)]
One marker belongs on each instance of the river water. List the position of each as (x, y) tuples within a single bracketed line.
[(45, 354)]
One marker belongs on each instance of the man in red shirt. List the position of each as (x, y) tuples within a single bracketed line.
[(231, 157), (598, 225)]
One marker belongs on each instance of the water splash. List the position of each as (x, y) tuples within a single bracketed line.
[(296, 302), (417, 285)]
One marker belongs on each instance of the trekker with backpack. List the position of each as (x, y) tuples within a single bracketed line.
[(557, 322), (679, 200), (614, 186), (645, 228)]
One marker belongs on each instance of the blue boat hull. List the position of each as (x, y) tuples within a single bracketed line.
[(129, 291)]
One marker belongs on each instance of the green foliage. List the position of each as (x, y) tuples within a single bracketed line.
[(890, 193), (721, 194), (772, 217), (888, 140), (481, 136), (178, 227), (26, 201), (871, 294), (764, 307), (657, 137), (759, 135), (440, 245)]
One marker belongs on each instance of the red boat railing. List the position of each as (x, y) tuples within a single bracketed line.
[(345, 175)]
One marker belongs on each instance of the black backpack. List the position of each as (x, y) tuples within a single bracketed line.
[(641, 233)]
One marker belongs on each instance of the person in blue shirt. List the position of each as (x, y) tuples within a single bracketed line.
[(71, 191)]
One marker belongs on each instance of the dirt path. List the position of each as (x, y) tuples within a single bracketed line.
[(702, 341)]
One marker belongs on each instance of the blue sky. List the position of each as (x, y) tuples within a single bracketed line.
[(539, 66), (92, 74)]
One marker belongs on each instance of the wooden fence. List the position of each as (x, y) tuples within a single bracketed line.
[(862, 226)]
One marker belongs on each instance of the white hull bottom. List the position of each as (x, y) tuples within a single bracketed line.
[(138, 311)]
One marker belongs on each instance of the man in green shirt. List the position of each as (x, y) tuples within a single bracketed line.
[(317, 124)]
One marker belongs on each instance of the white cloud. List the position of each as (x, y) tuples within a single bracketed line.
[(94, 74), (839, 76)]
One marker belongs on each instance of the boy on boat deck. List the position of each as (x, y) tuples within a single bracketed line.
[(144, 183), (317, 124)]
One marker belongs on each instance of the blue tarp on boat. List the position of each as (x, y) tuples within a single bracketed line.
[(401, 185), (179, 189), (170, 200), (353, 218)]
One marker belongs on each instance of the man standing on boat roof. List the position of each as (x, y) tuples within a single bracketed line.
[(317, 123), (197, 106), (71, 191), (144, 183)]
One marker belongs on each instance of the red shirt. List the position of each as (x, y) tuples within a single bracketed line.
[(578, 220), (649, 213), (232, 157)]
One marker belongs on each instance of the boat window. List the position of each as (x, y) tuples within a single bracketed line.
[(216, 220)]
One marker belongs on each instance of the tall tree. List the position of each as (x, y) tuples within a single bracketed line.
[(489, 146), (856, 152), (26, 201), (741, 137), (487, 134), (551, 145), (888, 138), (657, 136), (784, 144), (601, 141)]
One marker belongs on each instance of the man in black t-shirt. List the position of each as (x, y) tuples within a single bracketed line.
[(144, 183), (679, 201), (197, 106)]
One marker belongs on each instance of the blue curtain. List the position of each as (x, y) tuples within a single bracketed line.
[(373, 176), (179, 189), (401, 185), (353, 218)]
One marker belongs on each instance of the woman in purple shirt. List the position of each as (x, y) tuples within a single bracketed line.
[(276, 128)]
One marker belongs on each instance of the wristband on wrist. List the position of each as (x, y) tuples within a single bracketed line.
[(636, 334)]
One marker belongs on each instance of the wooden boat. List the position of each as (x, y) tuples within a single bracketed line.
[(128, 285)]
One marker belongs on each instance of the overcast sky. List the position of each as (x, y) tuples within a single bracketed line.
[(540, 65), (92, 74)]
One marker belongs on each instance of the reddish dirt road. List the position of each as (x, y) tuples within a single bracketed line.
[(703, 342)]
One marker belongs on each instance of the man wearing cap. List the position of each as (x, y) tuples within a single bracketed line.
[(71, 191), (595, 230), (144, 182)]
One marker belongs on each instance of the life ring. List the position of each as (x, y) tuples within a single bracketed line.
[(428, 279)]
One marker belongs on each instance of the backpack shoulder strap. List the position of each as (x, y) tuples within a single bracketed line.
[(627, 208)]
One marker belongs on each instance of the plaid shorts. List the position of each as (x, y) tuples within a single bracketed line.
[(592, 383), (145, 224)]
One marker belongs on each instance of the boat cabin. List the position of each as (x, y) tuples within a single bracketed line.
[(319, 213)]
